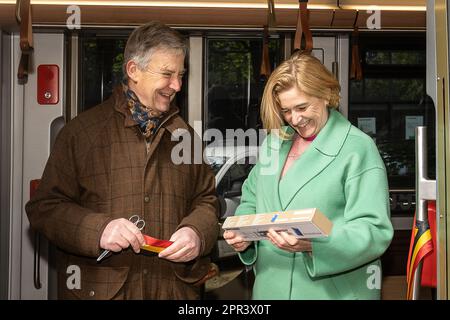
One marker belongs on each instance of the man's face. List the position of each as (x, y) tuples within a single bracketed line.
[(157, 85)]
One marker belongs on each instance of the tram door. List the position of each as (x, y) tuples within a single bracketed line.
[(32, 116), (438, 14), (387, 103)]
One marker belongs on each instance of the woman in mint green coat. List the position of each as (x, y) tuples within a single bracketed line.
[(314, 158)]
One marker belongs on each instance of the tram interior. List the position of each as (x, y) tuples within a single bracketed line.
[(386, 101)]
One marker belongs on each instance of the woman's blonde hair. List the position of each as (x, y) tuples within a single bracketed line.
[(309, 75)]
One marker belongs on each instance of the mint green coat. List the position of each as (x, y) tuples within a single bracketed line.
[(342, 174)]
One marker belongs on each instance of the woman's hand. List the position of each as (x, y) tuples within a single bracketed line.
[(236, 241), (289, 243)]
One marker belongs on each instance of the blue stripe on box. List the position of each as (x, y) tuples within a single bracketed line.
[(274, 218)]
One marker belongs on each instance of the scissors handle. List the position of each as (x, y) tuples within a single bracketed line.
[(137, 221)]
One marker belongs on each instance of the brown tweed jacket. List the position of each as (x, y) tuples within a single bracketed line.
[(98, 171)]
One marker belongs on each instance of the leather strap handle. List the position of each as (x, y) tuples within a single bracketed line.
[(355, 67), (265, 69), (23, 7), (26, 31), (271, 18), (303, 38), (265, 61)]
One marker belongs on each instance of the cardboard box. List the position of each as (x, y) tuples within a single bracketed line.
[(303, 224)]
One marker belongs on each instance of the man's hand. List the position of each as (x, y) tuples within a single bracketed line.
[(185, 246), (119, 234), (235, 241)]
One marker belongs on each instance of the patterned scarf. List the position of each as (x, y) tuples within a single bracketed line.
[(147, 119)]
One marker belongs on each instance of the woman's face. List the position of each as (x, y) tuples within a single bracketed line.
[(306, 114)]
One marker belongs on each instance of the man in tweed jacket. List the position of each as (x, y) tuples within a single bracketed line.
[(114, 161)]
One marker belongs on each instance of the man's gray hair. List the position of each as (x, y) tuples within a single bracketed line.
[(149, 37)]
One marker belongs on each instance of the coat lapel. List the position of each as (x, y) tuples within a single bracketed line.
[(271, 160), (322, 151)]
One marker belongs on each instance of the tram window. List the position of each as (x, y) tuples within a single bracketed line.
[(101, 70), (235, 177), (395, 57), (390, 101), (233, 82)]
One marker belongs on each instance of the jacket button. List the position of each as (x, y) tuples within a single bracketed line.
[(146, 199), (92, 293)]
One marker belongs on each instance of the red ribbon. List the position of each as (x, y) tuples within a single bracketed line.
[(155, 245)]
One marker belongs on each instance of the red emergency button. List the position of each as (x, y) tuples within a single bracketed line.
[(48, 84), (34, 184)]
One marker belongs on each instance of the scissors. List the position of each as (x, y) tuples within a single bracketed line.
[(134, 219)]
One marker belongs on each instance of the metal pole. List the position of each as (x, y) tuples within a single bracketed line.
[(425, 190)]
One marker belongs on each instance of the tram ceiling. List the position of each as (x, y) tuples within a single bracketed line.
[(339, 14)]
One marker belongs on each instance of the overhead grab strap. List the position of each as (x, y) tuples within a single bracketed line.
[(265, 70), (303, 38), (265, 61), (355, 68), (271, 18), (23, 8)]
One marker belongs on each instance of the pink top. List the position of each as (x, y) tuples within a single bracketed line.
[(294, 152), (310, 138)]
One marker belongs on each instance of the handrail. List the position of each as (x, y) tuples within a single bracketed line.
[(425, 190), (37, 261)]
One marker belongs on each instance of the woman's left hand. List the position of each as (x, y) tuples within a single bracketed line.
[(285, 241)]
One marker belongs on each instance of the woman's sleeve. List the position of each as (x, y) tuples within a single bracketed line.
[(248, 197), (365, 233), (248, 206)]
